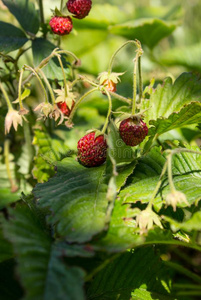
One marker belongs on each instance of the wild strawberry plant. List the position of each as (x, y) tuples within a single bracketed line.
[(100, 191)]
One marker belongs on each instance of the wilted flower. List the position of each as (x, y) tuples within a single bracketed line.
[(23, 111), (45, 107), (176, 197), (56, 113), (12, 118), (146, 219)]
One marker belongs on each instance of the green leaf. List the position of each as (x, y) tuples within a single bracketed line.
[(10, 193), (186, 56), (9, 286), (148, 31), (131, 274), (49, 149), (11, 37), (6, 251), (25, 13), (119, 151), (186, 167), (101, 16), (77, 198), (42, 271), (42, 48), (166, 109), (171, 97), (190, 114), (193, 223)]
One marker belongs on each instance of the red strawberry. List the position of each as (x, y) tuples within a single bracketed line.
[(79, 8), (64, 108), (61, 25), (110, 86), (133, 131), (92, 150)]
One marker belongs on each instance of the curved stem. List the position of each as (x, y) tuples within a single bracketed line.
[(158, 185), (140, 79), (6, 97), (115, 53), (134, 85), (169, 161), (64, 75), (61, 5), (77, 103), (109, 112), (119, 97), (7, 163), (40, 81), (68, 53), (48, 86), (20, 88)]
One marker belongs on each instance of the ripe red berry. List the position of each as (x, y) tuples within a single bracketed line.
[(61, 25), (92, 151), (79, 8), (133, 131), (110, 85), (64, 108)]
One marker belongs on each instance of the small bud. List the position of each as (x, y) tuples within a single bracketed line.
[(176, 197)]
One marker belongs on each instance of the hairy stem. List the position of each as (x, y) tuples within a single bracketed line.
[(64, 75), (109, 112), (40, 81), (6, 97), (20, 89), (48, 86), (116, 52), (78, 103), (8, 171), (158, 185), (134, 85)]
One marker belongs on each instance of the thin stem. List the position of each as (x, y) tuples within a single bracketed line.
[(48, 86), (20, 88), (140, 79), (183, 270), (6, 97), (64, 75), (68, 53), (116, 52), (109, 112), (61, 5), (158, 185), (169, 161), (178, 150), (40, 81), (121, 98), (134, 85), (6, 155), (77, 103), (41, 11)]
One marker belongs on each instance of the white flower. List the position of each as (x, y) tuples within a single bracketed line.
[(69, 99), (176, 197), (12, 118), (146, 219)]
